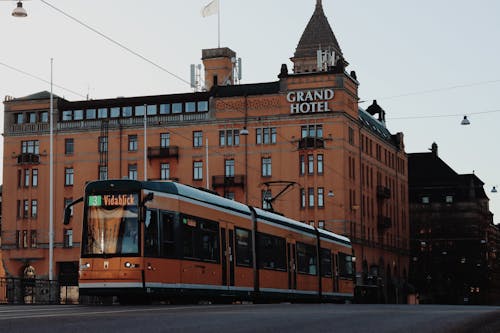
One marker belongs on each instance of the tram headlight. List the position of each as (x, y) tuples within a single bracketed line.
[(128, 264), (85, 266)]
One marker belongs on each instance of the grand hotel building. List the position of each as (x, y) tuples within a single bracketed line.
[(300, 145)]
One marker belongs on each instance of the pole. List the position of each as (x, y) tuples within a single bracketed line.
[(218, 23), (51, 176), (206, 162), (145, 143)]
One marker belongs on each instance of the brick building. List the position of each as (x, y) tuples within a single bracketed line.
[(300, 145)]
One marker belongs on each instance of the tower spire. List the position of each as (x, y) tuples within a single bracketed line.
[(318, 3)]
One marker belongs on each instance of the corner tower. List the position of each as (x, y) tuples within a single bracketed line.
[(318, 35)]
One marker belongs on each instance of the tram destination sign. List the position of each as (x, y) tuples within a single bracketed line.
[(112, 200), (309, 101)]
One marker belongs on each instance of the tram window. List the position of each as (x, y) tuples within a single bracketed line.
[(151, 235), (200, 239), (243, 247), (271, 252), (345, 263), (167, 235), (326, 263), (306, 259)]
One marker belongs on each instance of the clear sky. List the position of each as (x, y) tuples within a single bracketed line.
[(427, 62)]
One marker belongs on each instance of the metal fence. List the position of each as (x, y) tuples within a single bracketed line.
[(30, 291)]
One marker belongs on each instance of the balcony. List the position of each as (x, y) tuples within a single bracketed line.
[(228, 181), (383, 222), (383, 192), (161, 152), (311, 143), (28, 158)]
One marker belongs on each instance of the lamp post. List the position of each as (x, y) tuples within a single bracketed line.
[(51, 175)]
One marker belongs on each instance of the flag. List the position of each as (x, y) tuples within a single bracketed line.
[(210, 9)]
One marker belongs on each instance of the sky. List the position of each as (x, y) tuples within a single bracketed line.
[(427, 63)]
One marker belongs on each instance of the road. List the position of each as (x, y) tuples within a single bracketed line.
[(250, 318)]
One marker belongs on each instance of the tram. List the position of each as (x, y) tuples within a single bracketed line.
[(154, 240)]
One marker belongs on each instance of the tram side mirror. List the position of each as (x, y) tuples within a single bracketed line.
[(149, 197), (68, 211)]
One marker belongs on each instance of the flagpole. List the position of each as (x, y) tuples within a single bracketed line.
[(218, 23)]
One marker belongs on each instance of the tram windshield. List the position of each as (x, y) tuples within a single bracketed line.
[(112, 226)]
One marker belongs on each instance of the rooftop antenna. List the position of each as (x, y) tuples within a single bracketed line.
[(325, 59), (196, 77), (237, 73)]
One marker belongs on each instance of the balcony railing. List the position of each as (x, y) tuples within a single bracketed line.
[(228, 181), (383, 192), (28, 158), (159, 152), (383, 222), (311, 143)]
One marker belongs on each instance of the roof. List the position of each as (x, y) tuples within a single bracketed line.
[(374, 125), (317, 34), (39, 95)]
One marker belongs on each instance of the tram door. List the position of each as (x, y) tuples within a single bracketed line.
[(292, 272), (227, 260)]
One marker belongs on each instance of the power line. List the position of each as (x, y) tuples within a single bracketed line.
[(40, 79), (443, 115), (122, 46)]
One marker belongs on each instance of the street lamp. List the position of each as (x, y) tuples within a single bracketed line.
[(465, 121), (19, 11)]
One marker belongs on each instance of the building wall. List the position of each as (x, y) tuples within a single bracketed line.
[(353, 170)]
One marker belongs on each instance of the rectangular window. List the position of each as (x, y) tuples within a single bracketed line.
[(34, 178), (197, 139), (44, 117), (26, 177), (19, 118), (32, 117), (266, 199), (103, 172), (26, 208), (271, 252), (351, 135), (229, 168), (310, 164), (132, 171), (222, 138), (90, 114), (132, 143), (302, 198), (346, 268), (67, 115), (319, 164), (18, 238), (30, 147), (139, 111), (302, 165), (177, 108), (258, 136), (164, 140), (103, 144), (197, 170), (25, 239), (151, 234), (164, 108), (311, 131), (78, 115), (266, 167), (273, 135), (321, 197), (151, 110), (114, 112), (68, 238), (229, 135), (266, 135), (33, 239), (69, 146), (306, 259), (34, 208), (68, 176), (311, 196), (243, 247), (200, 239), (102, 113), (321, 224), (190, 107), (326, 263), (19, 178), (127, 111), (164, 171), (202, 106), (167, 239)]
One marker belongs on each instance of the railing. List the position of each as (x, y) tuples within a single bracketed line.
[(28, 158), (29, 291), (311, 143), (158, 152), (228, 181)]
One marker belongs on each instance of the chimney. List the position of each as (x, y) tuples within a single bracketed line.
[(219, 65)]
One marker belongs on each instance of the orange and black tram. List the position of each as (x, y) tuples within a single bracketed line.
[(152, 240)]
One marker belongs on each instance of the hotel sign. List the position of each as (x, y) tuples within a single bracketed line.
[(309, 101)]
